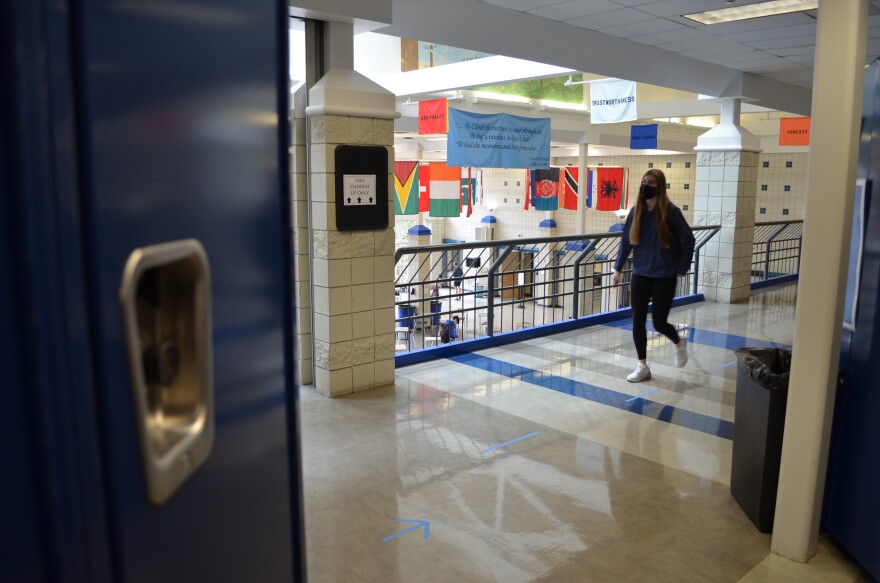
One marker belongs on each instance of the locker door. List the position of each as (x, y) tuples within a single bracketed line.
[(181, 139)]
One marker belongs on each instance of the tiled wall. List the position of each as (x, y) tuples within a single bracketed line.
[(506, 187)]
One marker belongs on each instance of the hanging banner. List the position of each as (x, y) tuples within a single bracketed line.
[(544, 189), (497, 140), (432, 116), (607, 189), (444, 190), (794, 131), (612, 101), (406, 188), (643, 137), (568, 188)]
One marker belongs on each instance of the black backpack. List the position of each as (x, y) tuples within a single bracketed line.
[(444, 333)]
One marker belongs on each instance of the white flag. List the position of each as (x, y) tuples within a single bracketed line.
[(612, 101)]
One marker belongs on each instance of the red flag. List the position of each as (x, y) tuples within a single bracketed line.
[(568, 188), (432, 117), (470, 193), (609, 189), (528, 190), (424, 188)]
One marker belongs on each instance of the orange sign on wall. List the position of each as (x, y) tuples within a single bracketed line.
[(794, 131)]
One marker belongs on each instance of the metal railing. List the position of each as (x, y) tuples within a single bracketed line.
[(512, 284), (776, 249)]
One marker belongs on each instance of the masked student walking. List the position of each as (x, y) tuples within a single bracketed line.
[(662, 246)]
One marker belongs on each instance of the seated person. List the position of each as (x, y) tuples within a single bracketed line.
[(452, 326)]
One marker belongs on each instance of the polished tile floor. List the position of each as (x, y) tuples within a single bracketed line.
[(537, 461)]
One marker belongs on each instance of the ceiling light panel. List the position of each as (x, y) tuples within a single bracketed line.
[(750, 11)]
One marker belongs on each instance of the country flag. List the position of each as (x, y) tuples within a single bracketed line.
[(406, 188), (545, 189), (568, 188), (445, 190), (608, 189)]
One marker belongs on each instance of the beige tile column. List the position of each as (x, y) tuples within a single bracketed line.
[(836, 111), (727, 174), (352, 271)]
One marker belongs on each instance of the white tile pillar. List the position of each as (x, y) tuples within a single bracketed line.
[(831, 176), (727, 173), (301, 241), (352, 271)]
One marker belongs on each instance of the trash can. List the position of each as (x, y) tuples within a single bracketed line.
[(405, 313), (436, 306), (759, 419)]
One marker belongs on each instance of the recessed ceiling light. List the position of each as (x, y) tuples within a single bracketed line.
[(753, 11)]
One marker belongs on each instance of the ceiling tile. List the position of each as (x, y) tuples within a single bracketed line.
[(637, 2), (784, 42), (672, 36), (521, 5), (790, 52), (711, 46), (574, 9), (766, 34), (613, 18), (637, 29), (751, 64), (724, 57)]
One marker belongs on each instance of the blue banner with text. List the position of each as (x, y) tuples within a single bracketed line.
[(497, 140), (643, 137)]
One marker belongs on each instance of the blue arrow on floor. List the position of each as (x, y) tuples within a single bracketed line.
[(417, 524)]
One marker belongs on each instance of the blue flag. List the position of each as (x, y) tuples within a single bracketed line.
[(497, 140), (643, 137)]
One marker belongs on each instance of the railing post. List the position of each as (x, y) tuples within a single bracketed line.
[(767, 258), (576, 284), (696, 269), (490, 298)]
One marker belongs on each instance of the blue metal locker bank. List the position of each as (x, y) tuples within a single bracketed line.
[(149, 413), (851, 510)]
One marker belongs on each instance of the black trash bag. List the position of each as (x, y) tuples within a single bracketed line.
[(768, 367)]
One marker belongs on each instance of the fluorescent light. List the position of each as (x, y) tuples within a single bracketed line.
[(753, 11), (502, 97)]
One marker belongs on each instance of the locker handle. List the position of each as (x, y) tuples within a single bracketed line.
[(166, 315)]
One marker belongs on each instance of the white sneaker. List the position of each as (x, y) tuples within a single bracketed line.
[(642, 373), (681, 353)]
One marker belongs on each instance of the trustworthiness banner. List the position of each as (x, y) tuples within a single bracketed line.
[(497, 140), (612, 101)]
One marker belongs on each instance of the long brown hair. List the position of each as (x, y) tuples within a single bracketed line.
[(662, 209)]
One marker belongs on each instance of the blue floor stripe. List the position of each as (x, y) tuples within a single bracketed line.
[(660, 412), (712, 338)]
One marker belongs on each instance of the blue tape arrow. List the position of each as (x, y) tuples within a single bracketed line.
[(417, 524), (509, 442), (643, 395)]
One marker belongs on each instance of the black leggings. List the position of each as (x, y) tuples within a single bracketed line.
[(643, 290)]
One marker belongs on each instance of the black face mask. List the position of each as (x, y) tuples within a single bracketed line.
[(647, 192)]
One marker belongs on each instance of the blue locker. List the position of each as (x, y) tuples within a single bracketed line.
[(136, 124), (851, 510)]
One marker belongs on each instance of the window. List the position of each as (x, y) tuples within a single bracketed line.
[(763, 187), (505, 183), (762, 211), (785, 211), (650, 164), (765, 164), (687, 164), (787, 188), (669, 164), (788, 164), (687, 186), (684, 207), (668, 186)]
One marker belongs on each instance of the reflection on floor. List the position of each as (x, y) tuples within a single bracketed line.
[(519, 480)]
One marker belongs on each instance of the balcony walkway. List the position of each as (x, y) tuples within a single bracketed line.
[(537, 461)]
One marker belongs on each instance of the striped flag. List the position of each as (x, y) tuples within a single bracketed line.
[(406, 188), (568, 188), (445, 190), (424, 188), (545, 189)]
